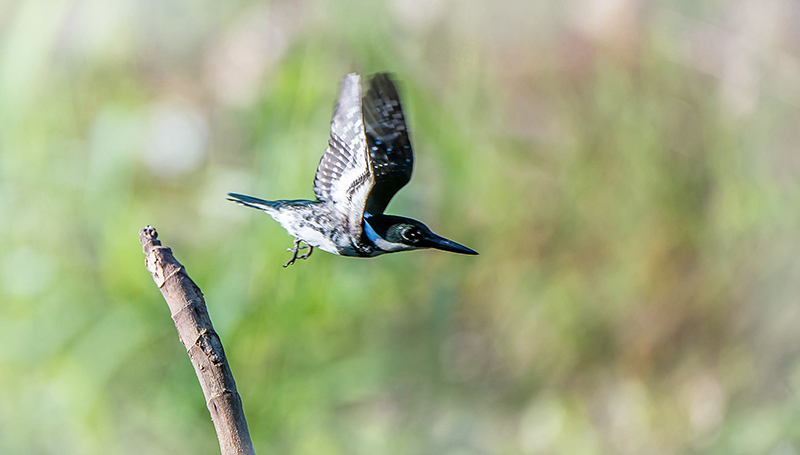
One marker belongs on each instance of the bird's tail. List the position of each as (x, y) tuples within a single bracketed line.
[(254, 202)]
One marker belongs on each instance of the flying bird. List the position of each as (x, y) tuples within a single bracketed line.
[(368, 160)]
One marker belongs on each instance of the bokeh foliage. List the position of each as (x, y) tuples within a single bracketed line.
[(627, 169)]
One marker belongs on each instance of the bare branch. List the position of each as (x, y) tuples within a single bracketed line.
[(188, 310)]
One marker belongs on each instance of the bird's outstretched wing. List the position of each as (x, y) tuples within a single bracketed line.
[(387, 141), (344, 176)]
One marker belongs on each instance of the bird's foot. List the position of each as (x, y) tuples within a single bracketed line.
[(296, 250)]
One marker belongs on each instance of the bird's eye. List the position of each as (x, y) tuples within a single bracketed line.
[(412, 235)]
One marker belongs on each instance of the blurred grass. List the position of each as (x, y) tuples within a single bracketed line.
[(628, 171)]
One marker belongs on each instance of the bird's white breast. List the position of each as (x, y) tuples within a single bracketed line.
[(298, 225)]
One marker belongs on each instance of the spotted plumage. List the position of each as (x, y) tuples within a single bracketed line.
[(368, 160)]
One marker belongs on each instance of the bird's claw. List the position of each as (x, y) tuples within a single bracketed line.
[(306, 256), (296, 250)]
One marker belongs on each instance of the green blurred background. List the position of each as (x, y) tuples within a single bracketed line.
[(628, 171)]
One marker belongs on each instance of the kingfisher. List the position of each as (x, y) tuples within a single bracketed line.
[(368, 160)]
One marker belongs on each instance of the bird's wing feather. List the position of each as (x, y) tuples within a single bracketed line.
[(387, 141), (344, 176)]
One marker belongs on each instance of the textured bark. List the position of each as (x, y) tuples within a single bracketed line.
[(188, 310)]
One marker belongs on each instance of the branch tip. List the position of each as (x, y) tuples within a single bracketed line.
[(148, 237)]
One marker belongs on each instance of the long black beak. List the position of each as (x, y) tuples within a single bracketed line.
[(441, 243)]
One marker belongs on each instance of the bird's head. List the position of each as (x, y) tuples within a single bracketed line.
[(395, 233)]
